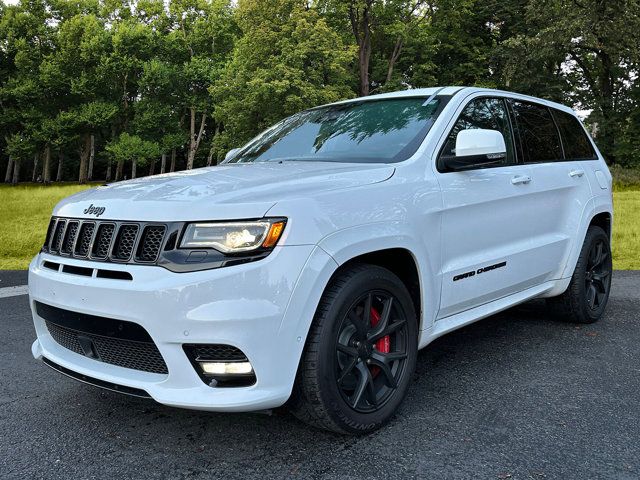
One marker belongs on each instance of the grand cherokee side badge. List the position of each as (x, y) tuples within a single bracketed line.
[(91, 210), (473, 273)]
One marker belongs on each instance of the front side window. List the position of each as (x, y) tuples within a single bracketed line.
[(574, 139), (484, 113), (537, 133), (369, 131)]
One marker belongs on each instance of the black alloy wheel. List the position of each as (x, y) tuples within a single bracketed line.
[(360, 352), (598, 275), (586, 297), (371, 351)]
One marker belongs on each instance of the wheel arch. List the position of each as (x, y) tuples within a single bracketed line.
[(599, 212), (388, 245), (602, 220), (401, 262)]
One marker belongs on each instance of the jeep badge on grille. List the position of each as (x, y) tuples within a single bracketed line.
[(91, 210)]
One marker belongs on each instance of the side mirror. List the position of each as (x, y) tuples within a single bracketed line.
[(477, 148), (231, 153)]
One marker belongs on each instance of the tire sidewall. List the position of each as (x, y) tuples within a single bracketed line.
[(373, 278), (594, 235)]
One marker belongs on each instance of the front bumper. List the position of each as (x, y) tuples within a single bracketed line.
[(263, 308)]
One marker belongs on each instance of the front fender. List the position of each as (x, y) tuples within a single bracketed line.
[(349, 243)]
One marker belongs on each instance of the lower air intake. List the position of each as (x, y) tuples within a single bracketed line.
[(125, 344)]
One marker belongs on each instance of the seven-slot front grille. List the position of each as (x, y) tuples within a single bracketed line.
[(105, 240)]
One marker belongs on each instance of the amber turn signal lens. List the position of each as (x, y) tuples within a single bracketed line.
[(274, 235)]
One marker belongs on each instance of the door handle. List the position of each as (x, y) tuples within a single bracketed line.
[(521, 179), (576, 173)]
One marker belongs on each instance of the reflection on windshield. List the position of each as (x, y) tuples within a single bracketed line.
[(366, 131)]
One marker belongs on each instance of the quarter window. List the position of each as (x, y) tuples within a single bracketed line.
[(574, 139), (485, 113), (537, 133)]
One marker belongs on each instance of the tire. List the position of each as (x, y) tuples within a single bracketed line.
[(352, 378), (585, 300)]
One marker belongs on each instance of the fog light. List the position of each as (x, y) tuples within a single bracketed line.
[(221, 368)]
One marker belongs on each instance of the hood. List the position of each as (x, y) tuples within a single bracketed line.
[(223, 192)]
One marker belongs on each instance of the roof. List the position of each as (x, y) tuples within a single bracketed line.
[(450, 90)]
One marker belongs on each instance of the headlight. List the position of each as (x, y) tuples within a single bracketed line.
[(232, 237)]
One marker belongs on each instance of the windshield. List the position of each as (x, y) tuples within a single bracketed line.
[(374, 131)]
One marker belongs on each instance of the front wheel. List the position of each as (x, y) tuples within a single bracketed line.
[(360, 353), (586, 298)]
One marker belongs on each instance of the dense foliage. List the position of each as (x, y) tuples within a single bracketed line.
[(95, 89)]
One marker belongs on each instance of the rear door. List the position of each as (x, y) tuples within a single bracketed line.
[(490, 227), (559, 185)]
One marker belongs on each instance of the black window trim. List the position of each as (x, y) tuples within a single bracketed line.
[(520, 148), (584, 133), (552, 111), (516, 157)]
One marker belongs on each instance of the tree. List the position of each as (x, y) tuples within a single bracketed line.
[(203, 43), (588, 47), (131, 148), (292, 60)]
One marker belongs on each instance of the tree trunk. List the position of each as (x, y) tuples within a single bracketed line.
[(113, 136), (364, 57), (173, 160), (92, 155), (397, 48), (8, 174), (211, 149), (36, 157), (16, 173), (119, 170), (152, 167), (46, 165), (163, 163), (134, 166), (194, 140), (361, 27), (85, 148), (60, 163)]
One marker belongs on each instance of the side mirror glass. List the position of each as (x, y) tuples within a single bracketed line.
[(477, 148)]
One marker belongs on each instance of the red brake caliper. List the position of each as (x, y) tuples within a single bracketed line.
[(384, 344)]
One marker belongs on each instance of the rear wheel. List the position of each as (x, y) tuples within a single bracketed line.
[(360, 353), (586, 298)]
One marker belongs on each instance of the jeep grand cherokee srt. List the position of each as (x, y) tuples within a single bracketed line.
[(312, 264)]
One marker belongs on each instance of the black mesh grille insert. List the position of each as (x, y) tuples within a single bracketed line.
[(116, 342), (70, 237), (103, 240), (84, 241), (216, 353), (65, 337), (150, 244), (125, 241), (57, 236)]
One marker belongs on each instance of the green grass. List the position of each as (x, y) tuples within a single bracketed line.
[(25, 211), (626, 228), (24, 216)]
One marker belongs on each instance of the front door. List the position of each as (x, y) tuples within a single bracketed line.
[(493, 228)]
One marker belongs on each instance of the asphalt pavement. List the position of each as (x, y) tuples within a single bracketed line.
[(515, 396)]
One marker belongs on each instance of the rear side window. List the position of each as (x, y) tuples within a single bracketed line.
[(537, 132), (574, 139)]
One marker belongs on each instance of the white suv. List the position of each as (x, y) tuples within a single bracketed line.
[(314, 262)]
